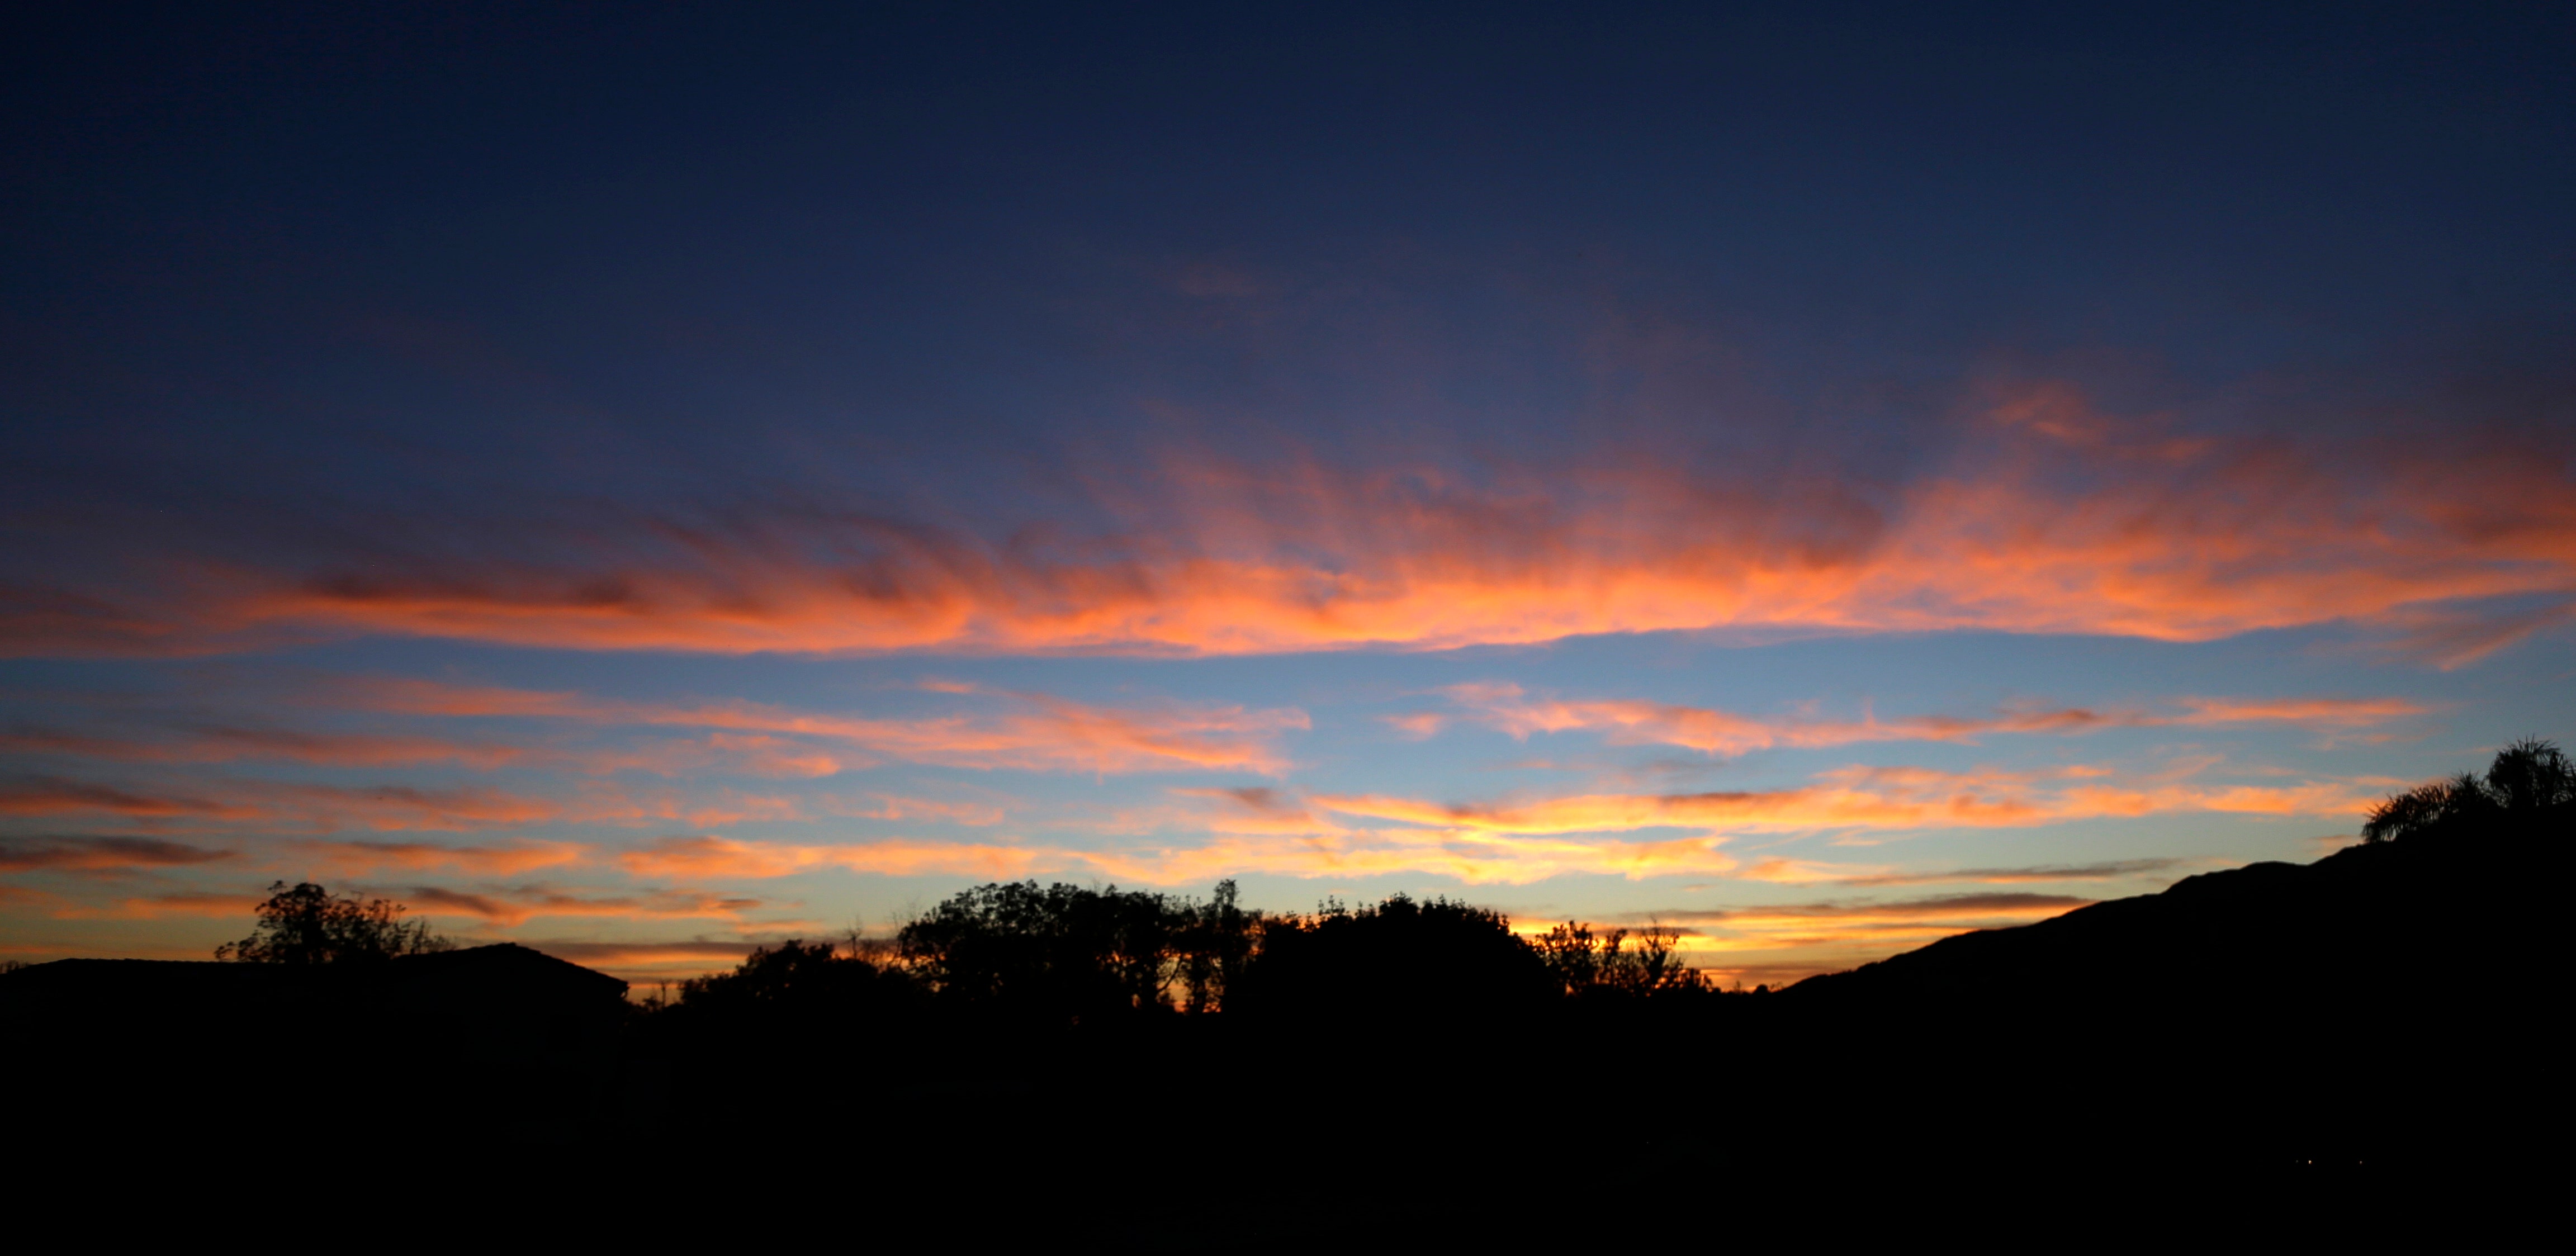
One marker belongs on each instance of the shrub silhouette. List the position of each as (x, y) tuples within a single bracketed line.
[(310, 925)]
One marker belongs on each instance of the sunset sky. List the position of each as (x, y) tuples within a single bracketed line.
[(643, 482)]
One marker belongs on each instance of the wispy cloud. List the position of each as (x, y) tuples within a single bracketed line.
[(711, 857), (1905, 911), (1783, 942), (361, 859), (1510, 709), (159, 906), (2124, 532), (1786, 871), (648, 960), (1026, 731), (514, 907), (1883, 798), (101, 854), (2114, 870), (311, 807), (215, 744)]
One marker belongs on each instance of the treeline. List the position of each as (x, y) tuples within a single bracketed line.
[(1064, 955), (1070, 955)]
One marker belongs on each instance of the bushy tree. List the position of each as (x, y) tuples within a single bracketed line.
[(1639, 962), (1059, 951), (1401, 958), (310, 925)]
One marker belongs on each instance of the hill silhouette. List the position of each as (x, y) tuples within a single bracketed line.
[(2389, 1003), (2452, 887)]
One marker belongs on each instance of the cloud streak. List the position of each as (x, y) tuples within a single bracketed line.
[(2042, 526), (1866, 798), (227, 744), (101, 854), (1510, 709), (1032, 732), (314, 807), (512, 908)]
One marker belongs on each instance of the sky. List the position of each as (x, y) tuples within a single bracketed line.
[(644, 482)]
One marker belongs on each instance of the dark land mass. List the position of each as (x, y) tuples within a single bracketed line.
[(1160, 1067)]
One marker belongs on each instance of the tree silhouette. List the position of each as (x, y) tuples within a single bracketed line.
[(2531, 775), (1586, 965), (310, 925), (1061, 952), (2530, 782), (1402, 958), (1214, 942)]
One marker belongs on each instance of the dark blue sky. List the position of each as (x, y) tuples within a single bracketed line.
[(328, 243)]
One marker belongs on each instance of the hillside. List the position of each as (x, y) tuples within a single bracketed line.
[(2394, 1001), (2418, 914)]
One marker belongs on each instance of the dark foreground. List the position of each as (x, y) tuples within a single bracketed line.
[(2347, 1033)]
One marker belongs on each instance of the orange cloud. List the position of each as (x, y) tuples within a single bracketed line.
[(1418, 724), (2319, 712), (649, 961), (1781, 943), (723, 807), (1271, 831), (1475, 857), (365, 858), (1881, 798), (2035, 528), (717, 857), (1841, 934), (1479, 858), (892, 807), (1032, 732), (1508, 708), (155, 907)]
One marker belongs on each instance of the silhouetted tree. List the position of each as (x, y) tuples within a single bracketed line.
[(1402, 958), (1572, 954), (2530, 782), (792, 973), (310, 925), (2531, 776), (1062, 951), (1213, 943), (1586, 965), (810, 992)]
